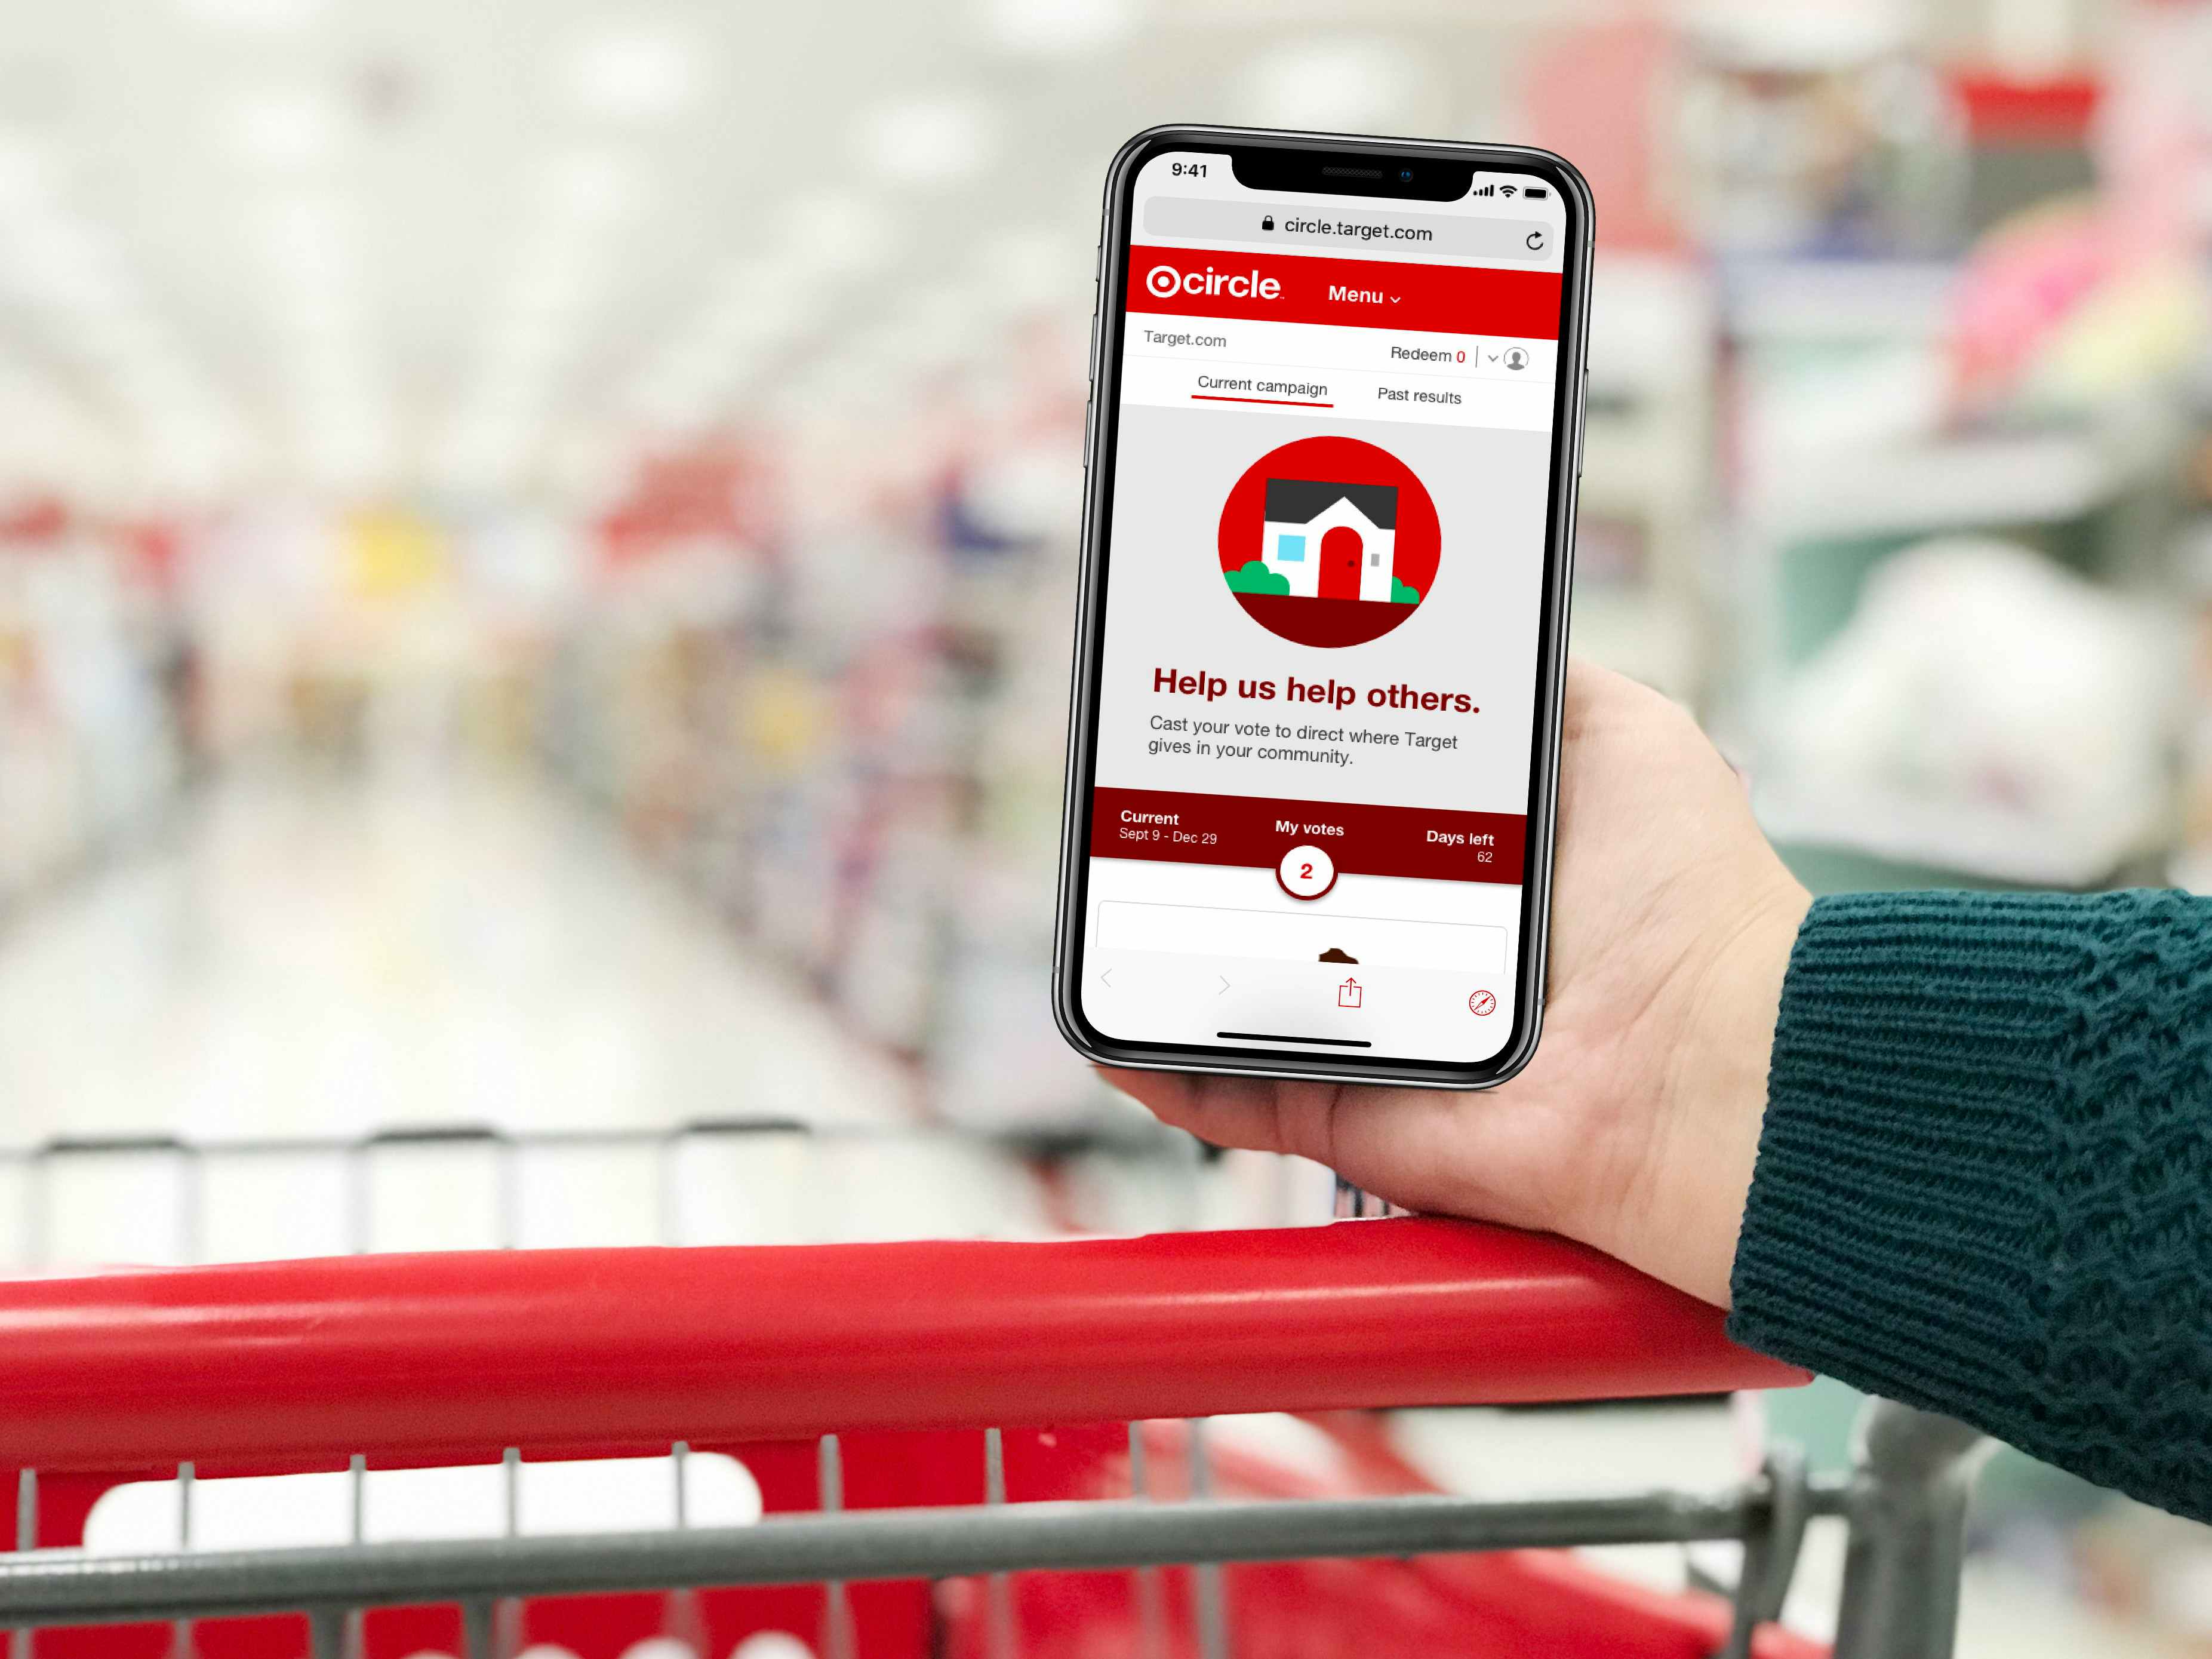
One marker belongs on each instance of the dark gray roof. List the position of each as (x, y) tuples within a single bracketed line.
[(1300, 501)]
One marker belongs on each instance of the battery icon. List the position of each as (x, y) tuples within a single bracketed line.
[(1535, 193)]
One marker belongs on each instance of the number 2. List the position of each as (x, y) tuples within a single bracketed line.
[(1305, 872)]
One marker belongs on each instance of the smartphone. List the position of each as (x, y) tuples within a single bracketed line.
[(1331, 457)]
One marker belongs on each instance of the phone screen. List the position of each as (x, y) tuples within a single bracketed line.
[(1325, 539)]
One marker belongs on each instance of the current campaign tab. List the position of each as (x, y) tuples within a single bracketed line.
[(1344, 293)]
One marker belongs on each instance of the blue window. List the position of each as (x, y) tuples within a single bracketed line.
[(1290, 550)]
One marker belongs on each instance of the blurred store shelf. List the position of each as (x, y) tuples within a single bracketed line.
[(1644, 601), (1904, 842), (94, 730), (1804, 301), (1984, 481)]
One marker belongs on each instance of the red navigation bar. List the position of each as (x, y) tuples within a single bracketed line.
[(1255, 832), (1447, 299)]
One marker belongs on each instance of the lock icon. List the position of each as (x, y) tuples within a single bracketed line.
[(1267, 222), (1347, 994)]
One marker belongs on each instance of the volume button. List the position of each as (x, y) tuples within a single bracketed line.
[(1582, 423)]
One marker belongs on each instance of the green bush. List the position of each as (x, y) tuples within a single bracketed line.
[(1253, 577)]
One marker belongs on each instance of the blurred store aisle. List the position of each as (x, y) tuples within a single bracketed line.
[(305, 954)]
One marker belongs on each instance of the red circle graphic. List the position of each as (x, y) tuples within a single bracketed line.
[(1329, 542)]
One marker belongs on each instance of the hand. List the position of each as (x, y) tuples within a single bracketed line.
[(1635, 1126)]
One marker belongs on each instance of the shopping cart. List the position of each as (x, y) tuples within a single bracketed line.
[(974, 1449)]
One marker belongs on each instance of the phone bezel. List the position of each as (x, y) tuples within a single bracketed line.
[(1082, 714)]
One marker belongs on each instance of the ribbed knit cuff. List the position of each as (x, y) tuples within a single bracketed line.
[(1984, 1178)]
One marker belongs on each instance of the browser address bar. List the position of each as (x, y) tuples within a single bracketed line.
[(1197, 218)]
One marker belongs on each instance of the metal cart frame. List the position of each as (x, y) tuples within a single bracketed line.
[(340, 1362)]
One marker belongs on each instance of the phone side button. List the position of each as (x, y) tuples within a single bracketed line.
[(1581, 422)]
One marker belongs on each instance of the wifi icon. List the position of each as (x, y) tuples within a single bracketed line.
[(1507, 190)]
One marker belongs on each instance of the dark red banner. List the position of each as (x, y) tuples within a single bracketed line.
[(1446, 299), (1255, 831)]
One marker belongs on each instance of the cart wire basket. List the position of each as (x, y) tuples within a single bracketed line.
[(971, 1449)]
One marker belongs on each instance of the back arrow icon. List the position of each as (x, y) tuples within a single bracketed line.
[(1106, 978)]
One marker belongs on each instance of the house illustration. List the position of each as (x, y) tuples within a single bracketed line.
[(1332, 540)]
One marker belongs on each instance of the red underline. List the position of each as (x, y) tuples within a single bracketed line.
[(1288, 403)]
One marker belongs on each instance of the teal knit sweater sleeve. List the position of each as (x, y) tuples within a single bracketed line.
[(1984, 1181)]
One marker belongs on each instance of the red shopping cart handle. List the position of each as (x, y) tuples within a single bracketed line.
[(455, 1356)]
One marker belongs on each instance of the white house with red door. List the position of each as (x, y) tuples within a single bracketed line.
[(1332, 540)]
